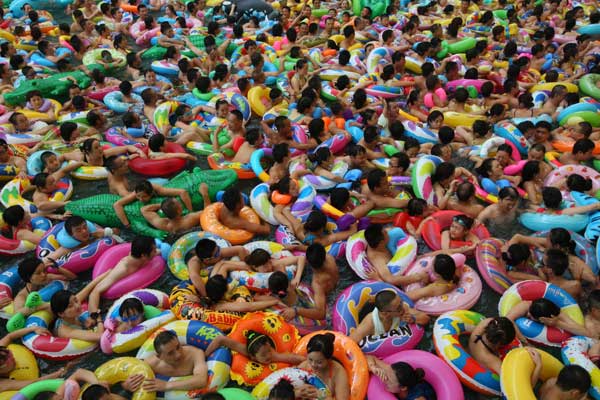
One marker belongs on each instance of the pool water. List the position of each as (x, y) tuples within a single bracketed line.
[(486, 305)]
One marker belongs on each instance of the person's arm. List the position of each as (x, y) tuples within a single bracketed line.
[(528, 240), (194, 272), (522, 276), (224, 341), (247, 307), (341, 385), (239, 223), (300, 262), (288, 358), (172, 192), (564, 322), (518, 311), (581, 209), (445, 240), (12, 336), (150, 214), (81, 334), (365, 328), (319, 310), (119, 208)]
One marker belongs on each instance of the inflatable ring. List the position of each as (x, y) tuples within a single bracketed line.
[(258, 97), (401, 245), (587, 84), (10, 282), (567, 146), (44, 293), (218, 161), (488, 255), (183, 246), (575, 351), (454, 119), (419, 132), (517, 368), (92, 57), (494, 142), (446, 333), (198, 334), (318, 182), (583, 249), (345, 319), (114, 101), (511, 133), (562, 173), (432, 230), (541, 221), (30, 391), (142, 278), (464, 296), (283, 334), (188, 310), (336, 144), (347, 353), (592, 230), (26, 367), (209, 220), (14, 247), (129, 340), (79, 259), (119, 369), (437, 373), (297, 378), (51, 347), (256, 166), (160, 168), (421, 178), (571, 88), (259, 200), (12, 193), (162, 113), (533, 330)]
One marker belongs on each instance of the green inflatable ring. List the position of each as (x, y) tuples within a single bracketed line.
[(587, 85), (377, 7), (92, 56), (319, 12), (202, 96), (235, 394), (500, 14), (456, 48), (589, 116), (30, 391)]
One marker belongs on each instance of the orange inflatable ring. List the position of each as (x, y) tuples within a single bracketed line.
[(282, 199), (284, 335), (329, 52), (129, 8), (339, 123), (566, 147), (347, 353), (209, 220)]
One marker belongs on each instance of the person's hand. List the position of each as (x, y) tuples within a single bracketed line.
[(4, 301), (372, 274), (134, 156), (421, 277), (190, 157), (41, 331), (535, 356), (453, 185), (90, 323), (288, 314), (133, 382), (307, 392), (192, 298), (549, 321), (155, 385), (354, 227), (203, 189), (295, 282)]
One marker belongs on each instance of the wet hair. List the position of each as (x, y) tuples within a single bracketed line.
[(594, 298), (403, 160), (578, 183), (205, 248), (316, 255), (322, 343), (446, 134), (13, 215), (280, 151), (257, 258), (278, 284), (552, 197), (142, 246), (73, 222), (557, 260), (27, 267), (543, 308), (500, 331), (256, 340), (444, 266), (374, 178), (144, 187), (60, 301), (516, 254), (216, 288), (131, 304), (443, 171), (416, 207), (169, 207), (465, 191), (374, 235), (94, 392), (339, 197), (384, 298), (485, 168), (282, 390), (561, 238), (315, 222), (583, 146), (162, 339), (67, 129), (530, 170), (406, 375), (231, 198), (574, 377)]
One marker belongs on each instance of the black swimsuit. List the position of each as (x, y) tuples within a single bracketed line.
[(479, 338)]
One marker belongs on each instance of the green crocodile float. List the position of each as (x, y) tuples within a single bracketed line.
[(54, 87), (99, 208)]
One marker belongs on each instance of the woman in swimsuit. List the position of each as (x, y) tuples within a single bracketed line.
[(92, 153), (488, 339), (444, 282), (320, 362)]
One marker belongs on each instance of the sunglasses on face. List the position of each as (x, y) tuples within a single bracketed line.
[(131, 318)]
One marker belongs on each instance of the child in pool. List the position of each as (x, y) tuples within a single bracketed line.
[(412, 219), (444, 282), (142, 251), (45, 187), (459, 233), (283, 194), (518, 263), (281, 158), (548, 313), (402, 379), (36, 102), (19, 226), (131, 314), (493, 178), (157, 145), (445, 182), (230, 214), (357, 158), (249, 146)]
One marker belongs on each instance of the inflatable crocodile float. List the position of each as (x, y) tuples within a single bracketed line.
[(99, 208)]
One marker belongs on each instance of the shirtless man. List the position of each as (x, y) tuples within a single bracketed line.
[(557, 95), (45, 186), (174, 221), (230, 214), (325, 277), (390, 313), (581, 153), (379, 256), (572, 382), (503, 212), (235, 127), (378, 189), (174, 360), (253, 139), (15, 161), (208, 254)]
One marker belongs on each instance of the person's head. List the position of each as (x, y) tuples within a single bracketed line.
[(31, 270), (389, 304), (542, 131), (490, 168), (543, 308), (556, 260), (144, 191), (320, 351), (316, 222), (375, 235), (131, 312), (578, 183), (316, 256), (444, 266), (232, 199), (157, 142), (116, 165), (96, 392), (582, 149), (282, 390), (500, 331), (444, 173), (143, 247), (77, 228), (377, 181), (573, 381), (168, 348), (171, 208), (552, 197), (260, 347), (258, 258), (465, 191), (516, 254), (16, 216), (460, 227), (216, 288), (435, 119), (278, 284), (407, 377), (65, 304)]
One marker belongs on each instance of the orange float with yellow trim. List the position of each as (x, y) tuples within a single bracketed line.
[(209, 220)]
